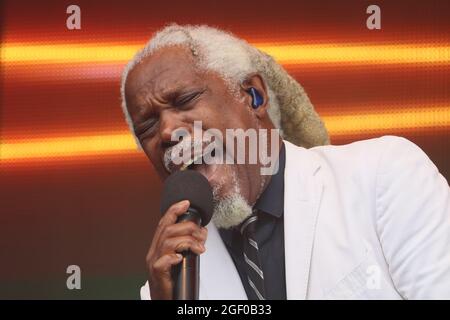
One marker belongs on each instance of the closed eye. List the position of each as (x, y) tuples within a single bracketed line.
[(185, 99), (147, 128)]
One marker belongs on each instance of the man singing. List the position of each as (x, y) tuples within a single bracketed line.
[(368, 220)]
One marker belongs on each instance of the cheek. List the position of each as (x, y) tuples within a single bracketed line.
[(208, 112), (231, 116), (219, 110), (240, 116), (154, 155)]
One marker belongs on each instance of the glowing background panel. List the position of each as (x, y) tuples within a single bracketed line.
[(74, 189)]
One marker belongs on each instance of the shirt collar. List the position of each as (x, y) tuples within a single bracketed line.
[(271, 200)]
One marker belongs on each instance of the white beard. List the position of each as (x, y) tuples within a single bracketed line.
[(231, 210)]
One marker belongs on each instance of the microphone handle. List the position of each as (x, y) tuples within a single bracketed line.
[(185, 275), (186, 279)]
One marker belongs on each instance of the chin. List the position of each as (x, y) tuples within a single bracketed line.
[(230, 206), (230, 211)]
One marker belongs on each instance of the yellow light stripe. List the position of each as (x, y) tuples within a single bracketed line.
[(396, 120), (123, 142), (66, 53), (370, 54), (93, 145), (284, 53)]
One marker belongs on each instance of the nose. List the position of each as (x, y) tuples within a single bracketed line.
[(169, 125)]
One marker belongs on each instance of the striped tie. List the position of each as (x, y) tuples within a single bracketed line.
[(255, 274)]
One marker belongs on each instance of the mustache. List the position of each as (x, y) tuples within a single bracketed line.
[(183, 154)]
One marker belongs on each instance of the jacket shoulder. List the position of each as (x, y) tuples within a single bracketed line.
[(362, 153), (375, 145), (369, 151)]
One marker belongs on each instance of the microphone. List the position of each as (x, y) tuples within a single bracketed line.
[(193, 186)]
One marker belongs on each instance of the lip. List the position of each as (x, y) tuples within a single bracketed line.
[(192, 163)]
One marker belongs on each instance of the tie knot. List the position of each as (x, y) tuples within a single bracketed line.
[(249, 224)]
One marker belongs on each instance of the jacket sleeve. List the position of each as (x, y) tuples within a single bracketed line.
[(413, 220)]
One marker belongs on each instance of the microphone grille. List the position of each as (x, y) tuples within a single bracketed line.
[(188, 185)]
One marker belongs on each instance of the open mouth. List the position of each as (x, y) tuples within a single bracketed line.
[(195, 162), (199, 165)]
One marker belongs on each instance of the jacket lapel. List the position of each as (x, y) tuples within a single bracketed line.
[(219, 279), (303, 193)]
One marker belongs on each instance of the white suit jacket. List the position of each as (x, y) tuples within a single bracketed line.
[(368, 220)]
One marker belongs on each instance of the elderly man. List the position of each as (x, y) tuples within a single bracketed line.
[(368, 220)]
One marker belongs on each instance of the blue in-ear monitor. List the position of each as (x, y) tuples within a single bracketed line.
[(257, 99)]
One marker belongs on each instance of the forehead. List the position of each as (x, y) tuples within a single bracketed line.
[(165, 70)]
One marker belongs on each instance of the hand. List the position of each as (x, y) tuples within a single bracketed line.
[(169, 240)]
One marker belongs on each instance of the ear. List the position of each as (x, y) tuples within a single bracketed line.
[(257, 82)]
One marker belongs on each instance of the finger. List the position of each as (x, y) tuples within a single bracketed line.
[(164, 263), (174, 211), (180, 244), (185, 228), (202, 236), (170, 217)]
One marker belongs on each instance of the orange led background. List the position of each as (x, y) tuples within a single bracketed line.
[(74, 189)]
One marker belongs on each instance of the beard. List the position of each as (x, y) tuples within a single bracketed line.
[(230, 210), (230, 207)]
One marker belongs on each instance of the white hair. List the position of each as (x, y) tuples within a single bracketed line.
[(235, 60)]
